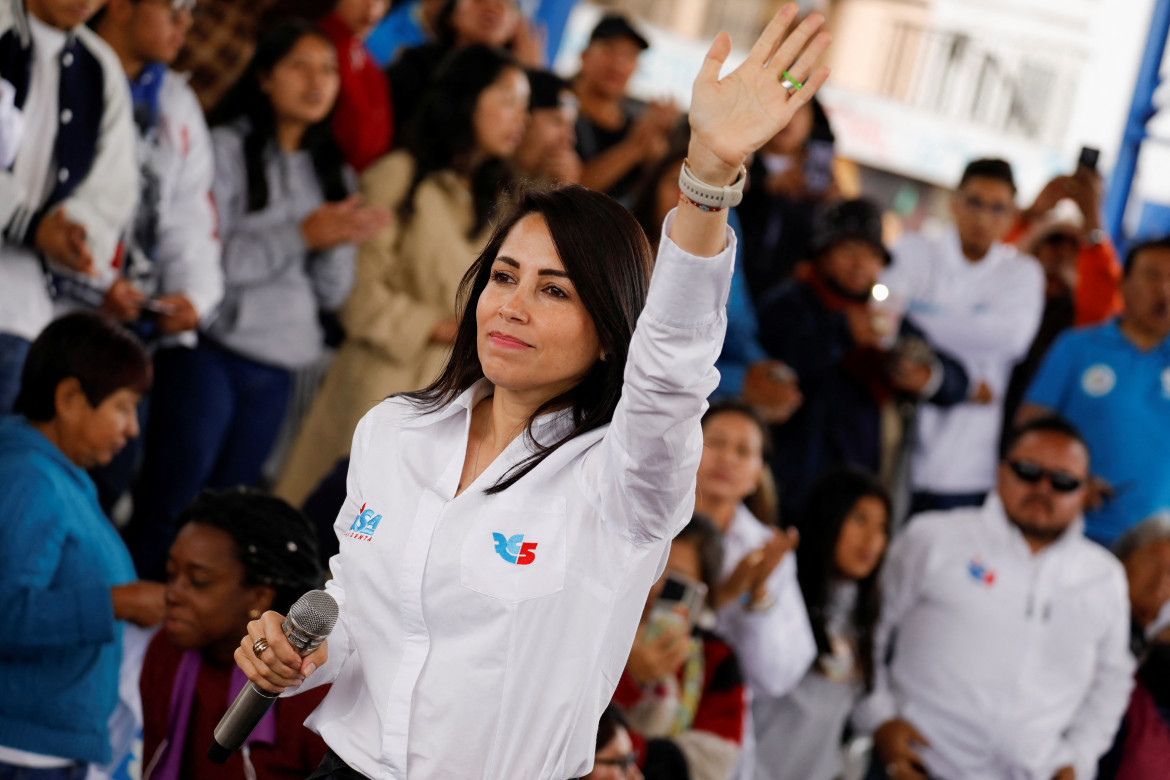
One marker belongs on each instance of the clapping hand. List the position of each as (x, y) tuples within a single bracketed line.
[(734, 116), (343, 222)]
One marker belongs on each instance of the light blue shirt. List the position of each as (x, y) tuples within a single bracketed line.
[(1119, 398)]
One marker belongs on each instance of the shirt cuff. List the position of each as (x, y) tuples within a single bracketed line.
[(687, 291)]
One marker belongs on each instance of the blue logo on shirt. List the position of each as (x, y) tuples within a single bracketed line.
[(513, 549), (364, 525)]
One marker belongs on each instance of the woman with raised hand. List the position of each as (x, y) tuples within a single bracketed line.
[(504, 526)]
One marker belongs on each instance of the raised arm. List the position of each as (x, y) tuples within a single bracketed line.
[(734, 116), (645, 472)]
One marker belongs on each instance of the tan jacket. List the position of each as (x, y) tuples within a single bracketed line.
[(407, 278)]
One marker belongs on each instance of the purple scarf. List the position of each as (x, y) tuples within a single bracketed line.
[(167, 766)]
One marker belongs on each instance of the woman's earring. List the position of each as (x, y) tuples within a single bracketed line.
[(254, 614)]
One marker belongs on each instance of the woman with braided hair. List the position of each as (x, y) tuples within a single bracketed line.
[(238, 553)]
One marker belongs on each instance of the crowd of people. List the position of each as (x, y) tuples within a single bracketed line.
[(932, 512)]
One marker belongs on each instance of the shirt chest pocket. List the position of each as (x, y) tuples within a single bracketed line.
[(516, 553)]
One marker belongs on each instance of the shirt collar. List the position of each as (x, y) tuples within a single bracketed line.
[(996, 520), (548, 427), (48, 42)]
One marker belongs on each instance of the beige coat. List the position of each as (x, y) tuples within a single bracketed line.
[(407, 278)]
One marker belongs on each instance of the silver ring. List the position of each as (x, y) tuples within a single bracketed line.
[(789, 86), (259, 646)]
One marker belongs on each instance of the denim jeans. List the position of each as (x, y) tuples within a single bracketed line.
[(71, 772), (13, 351), (214, 417)]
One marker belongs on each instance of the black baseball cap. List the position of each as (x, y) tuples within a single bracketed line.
[(852, 220), (617, 26)]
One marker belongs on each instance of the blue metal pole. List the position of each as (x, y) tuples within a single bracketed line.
[(554, 14), (1140, 111)]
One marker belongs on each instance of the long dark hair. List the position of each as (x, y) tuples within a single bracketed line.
[(828, 503), (443, 133), (247, 101), (608, 260)]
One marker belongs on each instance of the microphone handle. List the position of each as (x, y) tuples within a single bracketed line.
[(238, 722)]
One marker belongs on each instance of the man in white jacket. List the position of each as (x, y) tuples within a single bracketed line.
[(169, 277), (980, 301), (171, 274), (1004, 629), (70, 188)]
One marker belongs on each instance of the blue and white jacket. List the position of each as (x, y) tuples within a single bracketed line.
[(94, 172)]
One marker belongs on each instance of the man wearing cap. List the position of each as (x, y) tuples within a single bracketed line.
[(980, 300), (617, 136), (547, 152), (850, 356), (1002, 652)]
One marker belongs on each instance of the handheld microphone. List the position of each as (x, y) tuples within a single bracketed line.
[(307, 625)]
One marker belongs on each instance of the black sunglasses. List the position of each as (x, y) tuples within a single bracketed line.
[(625, 763), (1061, 481)]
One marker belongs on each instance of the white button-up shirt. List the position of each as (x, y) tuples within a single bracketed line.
[(482, 636), (1011, 664), (985, 315)]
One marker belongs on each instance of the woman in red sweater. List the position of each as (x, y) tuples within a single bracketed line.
[(237, 554), (363, 119)]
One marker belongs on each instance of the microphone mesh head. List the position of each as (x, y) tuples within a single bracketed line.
[(310, 620)]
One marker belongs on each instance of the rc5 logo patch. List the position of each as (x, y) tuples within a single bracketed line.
[(514, 549), (364, 525)]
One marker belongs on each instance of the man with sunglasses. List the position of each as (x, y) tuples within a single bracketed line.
[(1004, 634), (978, 300)]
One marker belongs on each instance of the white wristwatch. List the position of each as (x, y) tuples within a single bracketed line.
[(709, 197)]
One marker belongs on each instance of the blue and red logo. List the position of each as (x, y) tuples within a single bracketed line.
[(364, 525), (514, 549), (979, 572)]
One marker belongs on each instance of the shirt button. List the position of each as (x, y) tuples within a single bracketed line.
[(67, 59), (63, 175), (66, 116)]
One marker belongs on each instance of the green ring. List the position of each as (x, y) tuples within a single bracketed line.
[(796, 85)]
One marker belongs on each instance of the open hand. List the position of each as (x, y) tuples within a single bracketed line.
[(734, 116)]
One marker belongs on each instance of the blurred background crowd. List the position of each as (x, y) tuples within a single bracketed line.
[(932, 529)]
